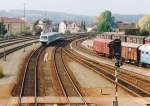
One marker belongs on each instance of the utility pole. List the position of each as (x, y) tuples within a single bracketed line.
[(117, 55), (24, 24), (24, 16)]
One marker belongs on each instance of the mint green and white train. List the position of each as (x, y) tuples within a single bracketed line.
[(47, 38)]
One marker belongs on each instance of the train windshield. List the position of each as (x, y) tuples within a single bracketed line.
[(44, 37)]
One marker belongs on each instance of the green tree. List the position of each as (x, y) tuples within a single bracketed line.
[(2, 28), (67, 32), (105, 22), (144, 23), (83, 27), (36, 29)]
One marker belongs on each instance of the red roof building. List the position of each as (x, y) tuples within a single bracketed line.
[(13, 25)]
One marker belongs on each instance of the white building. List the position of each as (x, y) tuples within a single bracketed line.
[(41, 24), (45, 26), (68, 26)]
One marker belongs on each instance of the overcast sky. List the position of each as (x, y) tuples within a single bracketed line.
[(84, 7)]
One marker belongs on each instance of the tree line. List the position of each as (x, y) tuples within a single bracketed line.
[(105, 22)]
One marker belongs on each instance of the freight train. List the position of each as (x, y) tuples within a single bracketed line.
[(47, 38), (126, 38), (131, 52)]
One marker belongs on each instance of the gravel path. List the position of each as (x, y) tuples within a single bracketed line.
[(88, 78), (44, 65), (11, 68)]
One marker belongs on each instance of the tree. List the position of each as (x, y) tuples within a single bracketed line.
[(36, 29), (83, 27), (2, 28), (105, 22), (144, 23), (67, 32)]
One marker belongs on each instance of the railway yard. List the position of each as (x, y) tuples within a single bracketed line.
[(67, 72)]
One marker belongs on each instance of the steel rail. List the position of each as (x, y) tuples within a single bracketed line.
[(9, 51), (16, 42), (69, 76), (58, 76), (35, 74), (105, 72)]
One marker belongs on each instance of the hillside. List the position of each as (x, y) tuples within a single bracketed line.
[(130, 18), (33, 15)]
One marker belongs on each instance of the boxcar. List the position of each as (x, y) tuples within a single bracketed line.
[(103, 47), (147, 40), (130, 52), (105, 36), (119, 36), (145, 54), (136, 39)]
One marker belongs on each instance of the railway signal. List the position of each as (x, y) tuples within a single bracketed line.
[(117, 55)]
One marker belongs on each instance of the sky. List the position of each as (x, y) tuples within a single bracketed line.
[(82, 7)]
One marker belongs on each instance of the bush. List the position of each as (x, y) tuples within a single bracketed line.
[(67, 32), (143, 33), (13, 34)]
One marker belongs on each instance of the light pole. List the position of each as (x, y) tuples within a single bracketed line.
[(117, 55)]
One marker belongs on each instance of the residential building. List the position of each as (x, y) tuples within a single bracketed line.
[(45, 25), (13, 25), (68, 26), (121, 26), (129, 28)]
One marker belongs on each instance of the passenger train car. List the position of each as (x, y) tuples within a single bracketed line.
[(47, 38)]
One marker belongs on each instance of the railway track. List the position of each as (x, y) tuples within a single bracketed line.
[(132, 83), (15, 42), (67, 84), (28, 84), (16, 39), (11, 50)]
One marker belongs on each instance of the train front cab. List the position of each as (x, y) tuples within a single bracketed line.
[(44, 40)]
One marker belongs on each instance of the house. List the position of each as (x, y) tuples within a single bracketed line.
[(45, 25), (68, 26), (127, 27), (13, 25)]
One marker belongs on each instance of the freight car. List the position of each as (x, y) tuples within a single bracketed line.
[(105, 36), (136, 39), (125, 38), (131, 52), (119, 36), (103, 47)]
